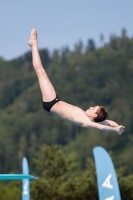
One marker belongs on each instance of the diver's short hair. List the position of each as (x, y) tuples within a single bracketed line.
[(101, 114)]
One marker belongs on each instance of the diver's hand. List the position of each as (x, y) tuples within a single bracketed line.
[(120, 129)]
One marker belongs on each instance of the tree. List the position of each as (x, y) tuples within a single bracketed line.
[(61, 179), (123, 32), (91, 45), (101, 38)]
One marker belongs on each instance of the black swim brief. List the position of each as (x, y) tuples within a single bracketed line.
[(48, 105)]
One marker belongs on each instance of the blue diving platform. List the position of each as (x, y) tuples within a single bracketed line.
[(17, 177)]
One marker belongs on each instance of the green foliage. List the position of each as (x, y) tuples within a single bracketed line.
[(61, 179), (126, 184), (10, 191)]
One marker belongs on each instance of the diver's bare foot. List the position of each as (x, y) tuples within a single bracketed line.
[(33, 37)]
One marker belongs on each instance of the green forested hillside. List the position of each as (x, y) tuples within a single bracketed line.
[(81, 77)]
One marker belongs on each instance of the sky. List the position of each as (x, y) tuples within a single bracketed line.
[(61, 23)]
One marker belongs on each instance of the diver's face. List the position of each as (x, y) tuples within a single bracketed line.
[(91, 112)]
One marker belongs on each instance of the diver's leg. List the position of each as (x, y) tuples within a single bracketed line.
[(47, 89)]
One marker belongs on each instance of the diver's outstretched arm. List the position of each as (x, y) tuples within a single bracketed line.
[(109, 123)]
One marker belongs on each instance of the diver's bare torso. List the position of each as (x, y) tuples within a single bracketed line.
[(71, 113)]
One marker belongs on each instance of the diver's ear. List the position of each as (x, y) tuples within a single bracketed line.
[(95, 115)]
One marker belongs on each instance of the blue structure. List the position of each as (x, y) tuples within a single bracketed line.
[(108, 187), (16, 177), (25, 182)]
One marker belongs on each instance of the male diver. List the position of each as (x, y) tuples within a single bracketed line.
[(94, 117)]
